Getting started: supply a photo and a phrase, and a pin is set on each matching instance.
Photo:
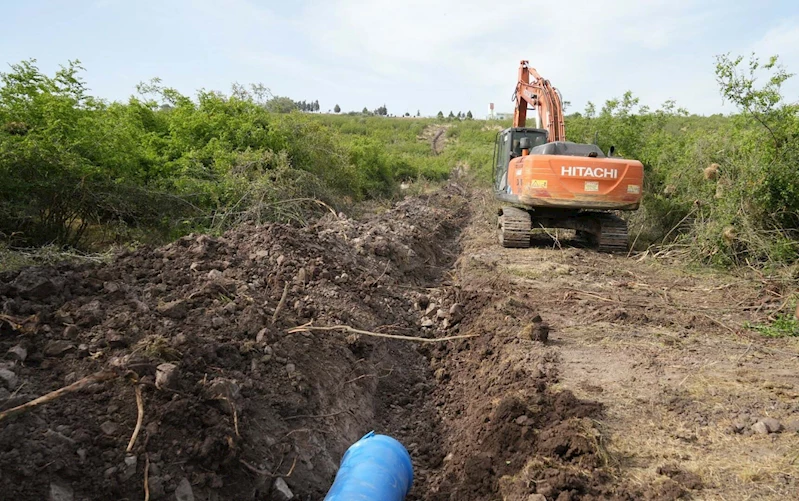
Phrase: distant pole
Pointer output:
(491, 110)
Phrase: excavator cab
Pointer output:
(508, 146)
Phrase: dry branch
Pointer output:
(281, 303)
(347, 328)
(146, 477)
(139, 418)
(98, 377)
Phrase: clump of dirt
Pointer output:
(231, 400)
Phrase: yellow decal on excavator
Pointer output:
(538, 183)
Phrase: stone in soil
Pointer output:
(18, 353)
(60, 492)
(184, 491)
(58, 348)
(166, 375)
(281, 490)
(8, 378)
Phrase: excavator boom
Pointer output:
(533, 90)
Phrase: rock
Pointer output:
(760, 428)
(166, 375)
(184, 492)
(535, 331)
(58, 348)
(9, 379)
(456, 312)
(18, 353)
(291, 369)
(225, 389)
(281, 490)
(61, 492)
(109, 428)
(432, 307)
(71, 331)
(423, 301)
(536, 497)
(426, 322)
(792, 426)
(32, 286)
(156, 488)
(217, 322)
(83, 350)
(773, 425)
(521, 420)
(441, 314)
(129, 469)
(262, 335)
(174, 309)
(214, 274)
(116, 340)
(738, 427)
(140, 306)
(4, 394)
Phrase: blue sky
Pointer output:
(429, 55)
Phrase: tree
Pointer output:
(365, 111)
(459, 115)
(469, 115)
(440, 115)
(316, 105)
(418, 113)
(451, 115)
(280, 104)
(337, 109)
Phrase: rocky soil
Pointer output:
(583, 376)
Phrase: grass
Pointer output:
(13, 258)
(784, 325)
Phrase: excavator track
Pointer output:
(612, 234)
(514, 228)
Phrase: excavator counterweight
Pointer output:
(549, 182)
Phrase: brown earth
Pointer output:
(647, 388)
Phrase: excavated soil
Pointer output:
(582, 378)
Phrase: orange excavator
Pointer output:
(549, 182)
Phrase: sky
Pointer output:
(427, 55)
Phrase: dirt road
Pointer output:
(587, 377)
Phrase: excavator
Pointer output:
(548, 182)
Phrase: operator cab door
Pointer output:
(501, 160)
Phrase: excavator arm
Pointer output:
(538, 93)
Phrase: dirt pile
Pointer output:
(231, 401)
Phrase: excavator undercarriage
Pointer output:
(605, 231)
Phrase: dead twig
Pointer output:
(718, 323)
(146, 477)
(265, 473)
(346, 328)
(281, 303)
(98, 377)
(139, 418)
(316, 416)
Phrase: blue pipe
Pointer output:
(375, 468)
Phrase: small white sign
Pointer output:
(633, 188)
(592, 186)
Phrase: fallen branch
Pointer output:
(316, 416)
(265, 473)
(139, 418)
(281, 303)
(98, 377)
(146, 477)
(347, 328)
